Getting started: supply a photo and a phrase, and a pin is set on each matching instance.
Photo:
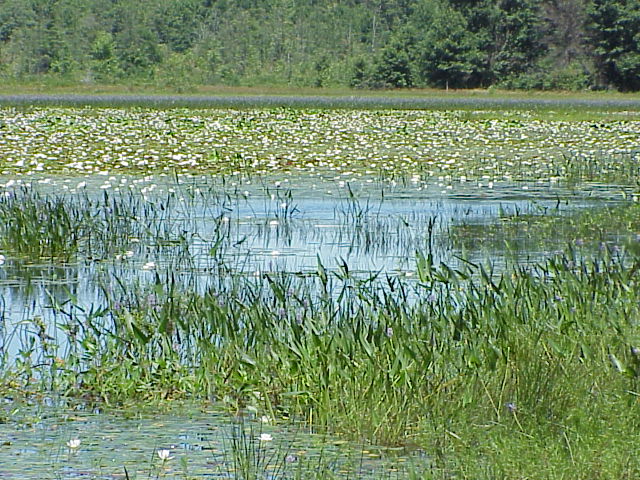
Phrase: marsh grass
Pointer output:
(621, 168)
(465, 364)
(400, 349)
(40, 227)
(573, 106)
(615, 227)
(58, 228)
(469, 363)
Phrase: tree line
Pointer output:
(521, 44)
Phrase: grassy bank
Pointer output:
(567, 105)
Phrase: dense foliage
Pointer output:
(565, 44)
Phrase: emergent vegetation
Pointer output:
(457, 289)
(465, 362)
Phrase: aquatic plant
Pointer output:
(450, 147)
(470, 359)
(74, 443)
(613, 226)
(318, 346)
(164, 455)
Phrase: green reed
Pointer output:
(553, 106)
(37, 226)
(465, 361)
(322, 346)
(549, 350)
(615, 226)
(622, 167)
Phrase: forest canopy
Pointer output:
(521, 44)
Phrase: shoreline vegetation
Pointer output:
(83, 88)
(471, 365)
(550, 106)
(531, 370)
(545, 105)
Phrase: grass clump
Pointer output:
(456, 363)
(464, 362)
(66, 229)
(615, 227)
(41, 227)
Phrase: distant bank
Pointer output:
(365, 101)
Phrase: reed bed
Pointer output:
(328, 102)
(466, 362)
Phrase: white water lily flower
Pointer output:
(164, 454)
(265, 437)
(149, 266)
(73, 443)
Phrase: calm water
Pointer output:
(279, 225)
(268, 225)
(34, 443)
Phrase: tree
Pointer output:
(176, 23)
(105, 65)
(565, 22)
(448, 54)
(137, 44)
(470, 43)
(15, 15)
(518, 37)
(394, 67)
(614, 32)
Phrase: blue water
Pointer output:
(286, 224)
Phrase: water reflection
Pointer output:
(202, 443)
(202, 230)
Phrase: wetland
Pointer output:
(319, 293)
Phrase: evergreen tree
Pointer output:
(176, 23)
(394, 66)
(518, 37)
(615, 34)
(448, 54)
(137, 43)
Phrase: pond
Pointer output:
(163, 255)
(193, 226)
(54, 442)
(287, 225)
